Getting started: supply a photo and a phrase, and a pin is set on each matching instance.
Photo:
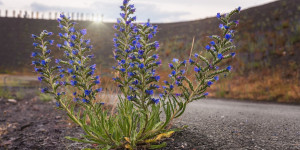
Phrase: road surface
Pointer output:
(243, 125)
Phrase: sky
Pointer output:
(158, 11)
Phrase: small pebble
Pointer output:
(12, 101)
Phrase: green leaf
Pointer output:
(164, 144)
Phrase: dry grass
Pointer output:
(265, 85)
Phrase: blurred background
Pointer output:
(266, 67)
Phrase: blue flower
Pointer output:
(130, 74)
(171, 65)
(178, 83)
(123, 69)
(90, 47)
(85, 100)
(150, 36)
(157, 78)
(60, 35)
(125, 2)
(207, 47)
(72, 29)
(178, 94)
(73, 82)
(62, 16)
(182, 71)
(91, 72)
(48, 51)
(93, 67)
(50, 33)
(98, 90)
(155, 56)
(220, 56)
(33, 36)
(171, 87)
(197, 69)
(35, 62)
(51, 42)
(239, 9)
(156, 44)
(218, 15)
(87, 41)
(216, 78)
(156, 101)
(140, 52)
(122, 15)
(83, 31)
(61, 75)
(87, 92)
(73, 37)
(70, 71)
(75, 52)
(97, 81)
(229, 68)
(221, 26)
(71, 62)
(236, 22)
(43, 62)
(60, 26)
(75, 99)
(158, 62)
(175, 60)
(209, 83)
(141, 66)
(40, 78)
(59, 45)
(173, 72)
(135, 82)
(63, 83)
(35, 44)
(196, 55)
(44, 90)
(33, 54)
(205, 94)
(232, 54)
(191, 61)
(91, 56)
(212, 43)
(228, 36)
(149, 92)
(38, 69)
(57, 104)
(72, 44)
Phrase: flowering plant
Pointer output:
(138, 121)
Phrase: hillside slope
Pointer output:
(272, 29)
(267, 65)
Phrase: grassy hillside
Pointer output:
(266, 66)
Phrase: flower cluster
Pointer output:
(138, 121)
(73, 70)
(137, 71)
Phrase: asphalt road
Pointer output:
(244, 125)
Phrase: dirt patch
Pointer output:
(33, 124)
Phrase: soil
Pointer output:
(31, 124)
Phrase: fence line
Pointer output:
(76, 16)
